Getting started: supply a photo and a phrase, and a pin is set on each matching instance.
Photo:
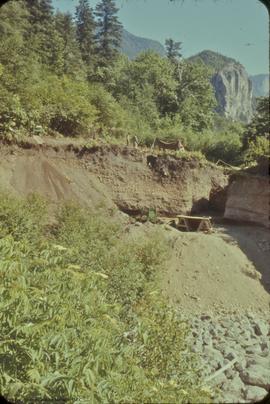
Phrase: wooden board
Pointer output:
(184, 222)
(194, 217)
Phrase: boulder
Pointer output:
(261, 328)
(254, 393)
(256, 375)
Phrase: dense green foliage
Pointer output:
(65, 75)
(256, 136)
(50, 66)
(81, 317)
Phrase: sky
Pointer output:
(234, 28)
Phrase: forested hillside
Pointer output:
(67, 76)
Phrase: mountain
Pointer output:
(260, 83)
(132, 45)
(214, 60)
(232, 86)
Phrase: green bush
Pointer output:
(257, 148)
(81, 315)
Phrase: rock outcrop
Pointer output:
(233, 90)
(260, 84)
(248, 199)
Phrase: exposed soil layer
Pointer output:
(138, 181)
(133, 180)
(248, 198)
(222, 269)
(212, 279)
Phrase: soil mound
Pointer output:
(209, 272)
(54, 175)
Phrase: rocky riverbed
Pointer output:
(235, 353)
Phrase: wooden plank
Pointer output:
(194, 217)
(183, 222)
(218, 372)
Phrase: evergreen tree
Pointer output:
(86, 31)
(72, 61)
(43, 37)
(109, 30)
(173, 50)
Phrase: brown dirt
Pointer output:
(205, 272)
(118, 176)
(227, 270)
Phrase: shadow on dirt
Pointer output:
(254, 241)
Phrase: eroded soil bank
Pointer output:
(219, 282)
(133, 180)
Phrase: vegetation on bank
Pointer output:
(64, 76)
(81, 315)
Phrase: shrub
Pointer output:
(257, 148)
(80, 316)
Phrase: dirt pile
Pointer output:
(214, 271)
(53, 174)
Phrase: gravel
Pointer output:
(241, 344)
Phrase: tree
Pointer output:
(256, 137)
(173, 50)
(72, 60)
(150, 78)
(43, 36)
(86, 31)
(109, 31)
(195, 98)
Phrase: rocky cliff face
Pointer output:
(260, 84)
(233, 90)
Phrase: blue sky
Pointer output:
(235, 28)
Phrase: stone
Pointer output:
(232, 398)
(258, 360)
(219, 381)
(230, 373)
(233, 91)
(213, 357)
(265, 345)
(265, 353)
(256, 375)
(254, 350)
(254, 393)
(234, 390)
(261, 328)
(205, 316)
(207, 340)
(241, 366)
(230, 355)
(226, 323)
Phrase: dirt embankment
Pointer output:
(133, 180)
(204, 269)
(248, 199)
